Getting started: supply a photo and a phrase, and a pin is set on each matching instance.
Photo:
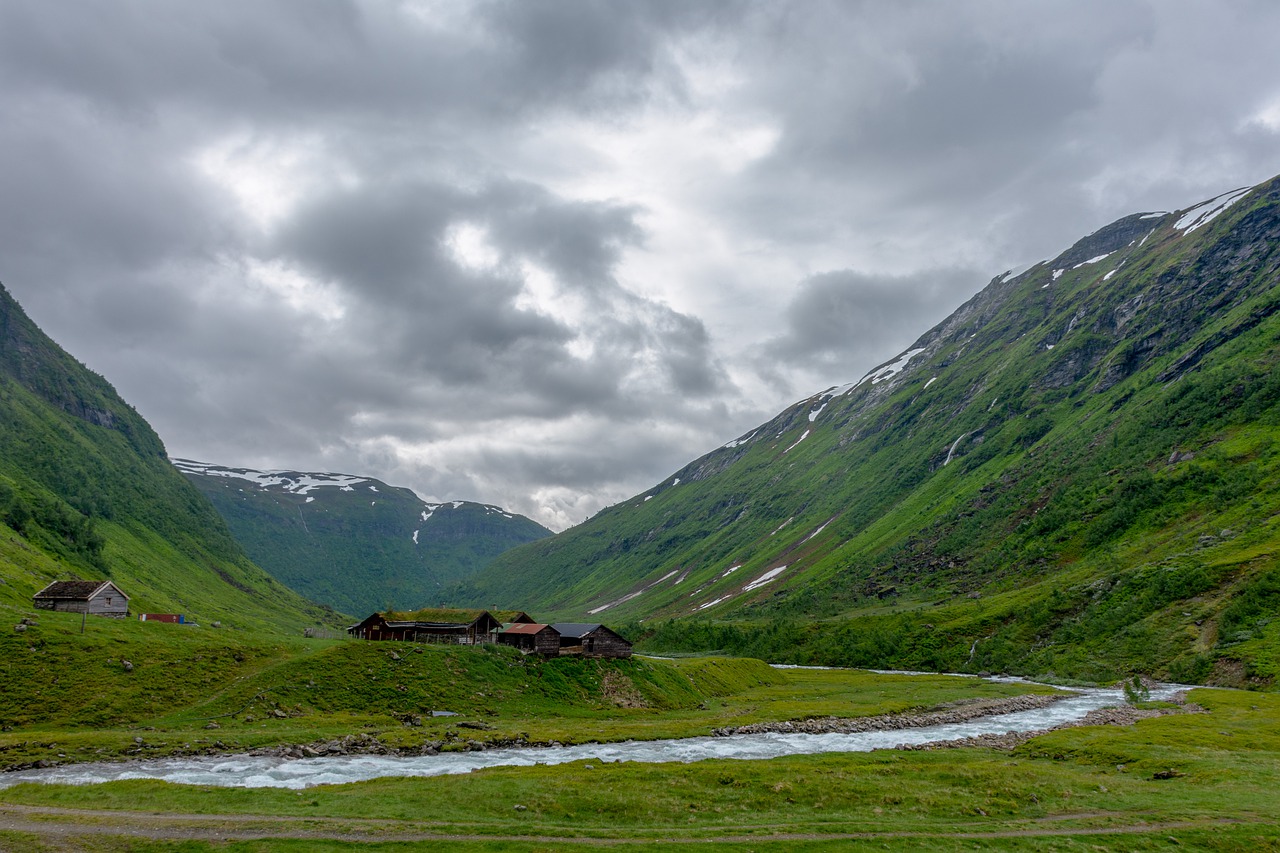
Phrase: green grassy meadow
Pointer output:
(67, 698)
(1083, 789)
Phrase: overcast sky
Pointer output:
(542, 254)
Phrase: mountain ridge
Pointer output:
(86, 491)
(354, 542)
(932, 476)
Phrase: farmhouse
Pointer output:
(450, 626)
(97, 598)
(531, 638)
(591, 639)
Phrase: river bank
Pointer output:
(365, 756)
(961, 712)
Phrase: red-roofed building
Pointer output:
(531, 638)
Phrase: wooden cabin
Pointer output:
(440, 625)
(531, 638)
(591, 639)
(97, 598)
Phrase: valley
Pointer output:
(1074, 478)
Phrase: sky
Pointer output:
(543, 253)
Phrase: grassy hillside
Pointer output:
(86, 491)
(1076, 472)
(356, 543)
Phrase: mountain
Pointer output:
(354, 542)
(1077, 472)
(87, 491)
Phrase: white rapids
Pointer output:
(246, 771)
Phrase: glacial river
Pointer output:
(247, 771)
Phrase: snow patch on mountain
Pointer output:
(293, 482)
(891, 369)
(1093, 260)
(1207, 211)
(768, 577)
(624, 599)
(797, 441)
(952, 452)
(819, 530)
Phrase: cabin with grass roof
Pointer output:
(96, 598)
(512, 617)
(449, 626)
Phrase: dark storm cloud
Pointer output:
(450, 62)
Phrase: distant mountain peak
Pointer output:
(294, 482)
(356, 542)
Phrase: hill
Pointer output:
(87, 491)
(1076, 472)
(356, 543)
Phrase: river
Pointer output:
(248, 771)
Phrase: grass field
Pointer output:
(1201, 781)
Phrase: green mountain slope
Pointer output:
(1078, 472)
(86, 490)
(354, 542)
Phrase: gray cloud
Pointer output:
(542, 254)
(843, 318)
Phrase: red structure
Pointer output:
(531, 638)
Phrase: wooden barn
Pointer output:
(449, 626)
(531, 638)
(97, 598)
(591, 640)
